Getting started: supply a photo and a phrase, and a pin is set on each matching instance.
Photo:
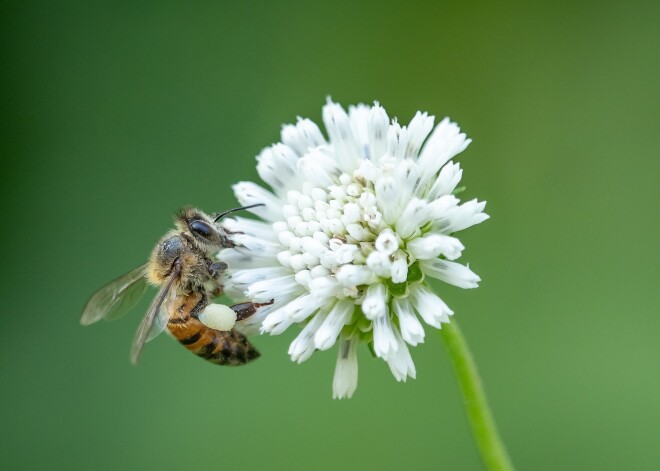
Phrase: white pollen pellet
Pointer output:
(218, 317)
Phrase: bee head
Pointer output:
(201, 227)
(205, 229)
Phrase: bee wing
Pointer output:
(116, 298)
(160, 322)
(142, 334)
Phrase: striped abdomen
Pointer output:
(222, 348)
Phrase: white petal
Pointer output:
(264, 291)
(419, 128)
(399, 270)
(397, 140)
(276, 166)
(326, 335)
(400, 361)
(409, 222)
(440, 212)
(444, 143)
(250, 276)
(379, 263)
(303, 136)
(407, 174)
(375, 301)
(359, 117)
(256, 244)
(313, 246)
(318, 168)
(276, 322)
(466, 215)
(378, 126)
(432, 245)
(450, 272)
(387, 242)
(430, 307)
(303, 346)
(303, 307)
(385, 343)
(248, 193)
(339, 129)
(387, 196)
(411, 329)
(355, 275)
(324, 287)
(238, 259)
(251, 227)
(447, 180)
(345, 380)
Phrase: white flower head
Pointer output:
(352, 226)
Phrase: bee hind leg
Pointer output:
(200, 306)
(245, 310)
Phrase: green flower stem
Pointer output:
(483, 426)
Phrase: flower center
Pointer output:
(337, 240)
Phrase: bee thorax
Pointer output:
(169, 249)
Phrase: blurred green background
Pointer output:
(114, 114)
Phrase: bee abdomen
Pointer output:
(223, 348)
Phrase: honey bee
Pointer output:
(181, 265)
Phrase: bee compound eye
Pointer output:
(202, 228)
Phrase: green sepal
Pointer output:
(398, 290)
(458, 190)
(415, 273)
(371, 349)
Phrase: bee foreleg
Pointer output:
(227, 242)
(216, 268)
(245, 310)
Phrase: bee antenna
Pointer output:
(221, 215)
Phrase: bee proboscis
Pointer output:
(183, 268)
